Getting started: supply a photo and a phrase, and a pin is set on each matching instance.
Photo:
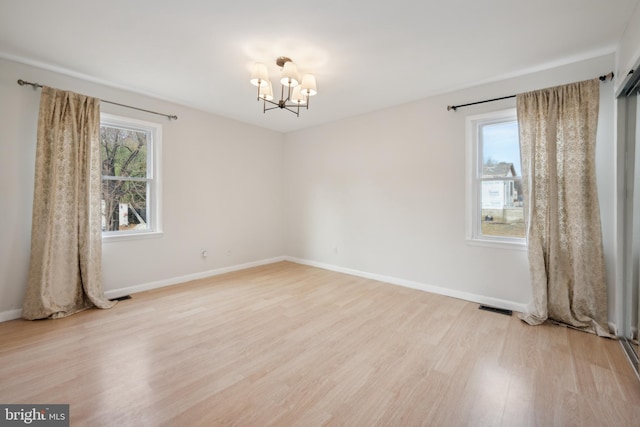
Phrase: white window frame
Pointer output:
(473, 169)
(154, 177)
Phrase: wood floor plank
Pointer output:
(292, 345)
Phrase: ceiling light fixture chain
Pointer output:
(298, 90)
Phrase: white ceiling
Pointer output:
(366, 55)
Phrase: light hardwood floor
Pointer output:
(291, 345)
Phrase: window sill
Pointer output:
(108, 238)
(518, 246)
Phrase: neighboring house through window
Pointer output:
(495, 207)
(129, 155)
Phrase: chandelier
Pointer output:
(294, 92)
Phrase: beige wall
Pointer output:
(222, 190)
(363, 194)
(368, 193)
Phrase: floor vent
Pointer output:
(121, 298)
(496, 310)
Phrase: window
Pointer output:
(129, 155)
(495, 206)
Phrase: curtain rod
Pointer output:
(168, 116)
(455, 107)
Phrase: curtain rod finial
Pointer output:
(607, 77)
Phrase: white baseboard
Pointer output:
(480, 299)
(10, 314)
(115, 293)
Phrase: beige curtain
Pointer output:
(65, 273)
(557, 141)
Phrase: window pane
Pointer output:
(501, 202)
(123, 152)
(500, 150)
(124, 205)
(498, 229)
(495, 212)
(502, 208)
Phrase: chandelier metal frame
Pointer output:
(298, 90)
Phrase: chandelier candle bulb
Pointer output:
(308, 86)
(266, 91)
(289, 74)
(259, 75)
(297, 97)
